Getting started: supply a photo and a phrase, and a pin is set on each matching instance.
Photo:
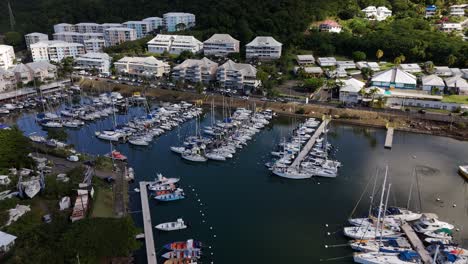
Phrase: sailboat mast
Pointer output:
(381, 200)
(373, 191)
(385, 210)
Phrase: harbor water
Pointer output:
(244, 214)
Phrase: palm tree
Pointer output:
(451, 59)
(379, 54)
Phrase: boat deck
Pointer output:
(149, 240)
(416, 243)
(310, 144)
(389, 138)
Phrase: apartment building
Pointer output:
(54, 50)
(7, 80)
(41, 70)
(263, 48)
(76, 37)
(449, 27)
(94, 45)
(220, 45)
(458, 10)
(176, 21)
(115, 36)
(88, 28)
(149, 67)
(64, 27)
(156, 22)
(203, 70)
(174, 44)
(142, 28)
(237, 76)
(105, 26)
(93, 60)
(7, 56)
(35, 37)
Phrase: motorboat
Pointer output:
(194, 157)
(171, 196)
(442, 233)
(188, 253)
(430, 223)
(183, 245)
(448, 248)
(463, 171)
(385, 245)
(172, 226)
(178, 150)
(432, 240)
(117, 155)
(51, 124)
(109, 135)
(400, 214)
(404, 257)
(138, 142)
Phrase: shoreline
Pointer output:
(367, 118)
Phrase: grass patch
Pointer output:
(103, 203)
(460, 99)
(104, 163)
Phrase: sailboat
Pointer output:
(404, 257)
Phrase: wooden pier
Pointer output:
(416, 243)
(389, 138)
(310, 144)
(148, 228)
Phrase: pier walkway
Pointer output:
(389, 137)
(310, 144)
(148, 228)
(416, 243)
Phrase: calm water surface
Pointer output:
(245, 215)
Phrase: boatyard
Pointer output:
(192, 212)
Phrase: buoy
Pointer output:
(454, 205)
(201, 203)
(203, 214)
(212, 253)
(326, 246)
(214, 235)
(438, 199)
(193, 189)
(318, 183)
(198, 199)
(211, 227)
(458, 229)
(200, 211)
(326, 225)
(328, 233)
(209, 247)
(203, 221)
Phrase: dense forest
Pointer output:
(406, 33)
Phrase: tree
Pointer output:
(57, 134)
(359, 56)
(367, 73)
(180, 27)
(14, 149)
(186, 54)
(379, 54)
(451, 59)
(199, 87)
(13, 38)
(429, 67)
(312, 84)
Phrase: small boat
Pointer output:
(180, 261)
(429, 223)
(189, 253)
(138, 142)
(130, 174)
(463, 171)
(379, 258)
(442, 233)
(194, 157)
(117, 155)
(448, 248)
(162, 187)
(172, 226)
(168, 197)
(178, 150)
(183, 245)
(137, 190)
(369, 232)
(386, 245)
(432, 240)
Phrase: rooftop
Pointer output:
(264, 41)
(221, 38)
(6, 239)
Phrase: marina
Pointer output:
(205, 205)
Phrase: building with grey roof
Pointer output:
(191, 70)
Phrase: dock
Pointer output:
(389, 138)
(310, 144)
(148, 228)
(416, 243)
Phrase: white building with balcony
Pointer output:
(174, 44)
(156, 22)
(54, 50)
(7, 56)
(237, 76)
(220, 45)
(263, 48)
(176, 21)
(118, 35)
(88, 28)
(76, 37)
(99, 61)
(142, 28)
(203, 70)
(34, 37)
(7, 80)
(94, 45)
(64, 27)
(458, 10)
(377, 13)
(148, 67)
